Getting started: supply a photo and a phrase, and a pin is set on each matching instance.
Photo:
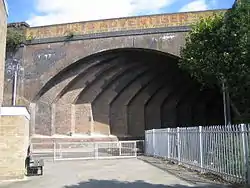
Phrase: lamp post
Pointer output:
(15, 79)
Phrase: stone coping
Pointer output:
(14, 111)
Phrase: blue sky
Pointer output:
(44, 12)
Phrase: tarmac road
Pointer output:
(126, 173)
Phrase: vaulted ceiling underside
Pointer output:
(123, 92)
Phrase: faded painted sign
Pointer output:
(121, 24)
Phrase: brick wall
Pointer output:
(120, 24)
(119, 108)
(83, 118)
(14, 138)
(3, 29)
(43, 118)
(62, 121)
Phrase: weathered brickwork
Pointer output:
(137, 105)
(94, 86)
(43, 118)
(46, 66)
(122, 24)
(83, 119)
(119, 108)
(62, 119)
(109, 78)
(97, 96)
(3, 30)
(14, 138)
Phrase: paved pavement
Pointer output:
(120, 173)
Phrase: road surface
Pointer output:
(123, 173)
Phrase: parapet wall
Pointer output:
(118, 24)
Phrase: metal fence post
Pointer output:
(168, 136)
(120, 149)
(245, 152)
(248, 152)
(31, 147)
(60, 149)
(145, 144)
(54, 151)
(96, 150)
(178, 146)
(135, 148)
(201, 148)
(153, 135)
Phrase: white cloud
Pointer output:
(63, 11)
(196, 5)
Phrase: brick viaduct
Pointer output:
(116, 76)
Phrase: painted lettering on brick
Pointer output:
(103, 26)
(123, 24)
(45, 55)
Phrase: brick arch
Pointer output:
(168, 107)
(134, 73)
(83, 73)
(173, 81)
(117, 113)
(136, 104)
(57, 71)
(83, 95)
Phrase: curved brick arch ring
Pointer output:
(57, 72)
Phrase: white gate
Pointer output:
(86, 150)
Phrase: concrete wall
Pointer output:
(3, 30)
(14, 139)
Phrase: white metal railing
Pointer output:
(84, 150)
(222, 150)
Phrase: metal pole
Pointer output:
(96, 150)
(245, 152)
(120, 149)
(135, 148)
(154, 148)
(201, 147)
(54, 151)
(178, 146)
(15, 85)
(168, 155)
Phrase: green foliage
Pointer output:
(218, 50)
(201, 48)
(15, 37)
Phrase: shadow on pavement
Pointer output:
(93, 183)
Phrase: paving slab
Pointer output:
(120, 173)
